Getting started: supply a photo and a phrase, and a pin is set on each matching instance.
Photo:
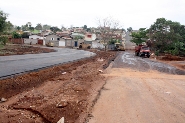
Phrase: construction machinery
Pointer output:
(119, 47)
(84, 46)
(142, 51)
(49, 44)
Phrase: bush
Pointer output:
(157, 53)
(113, 41)
(3, 40)
(16, 35)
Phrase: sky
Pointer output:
(131, 13)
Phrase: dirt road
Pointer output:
(135, 92)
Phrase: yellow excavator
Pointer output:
(84, 46)
(49, 44)
(119, 46)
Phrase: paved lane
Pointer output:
(129, 60)
(10, 65)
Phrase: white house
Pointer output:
(35, 37)
(90, 37)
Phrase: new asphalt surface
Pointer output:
(16, 64)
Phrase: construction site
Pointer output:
(72, 91)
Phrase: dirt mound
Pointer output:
(50, 94)
(169, 57)
(23, 49)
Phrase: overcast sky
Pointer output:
(131, 13)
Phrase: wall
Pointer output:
(62, 43)
(27, 41)
(97, 45)
(55, 41)
(34, 37)
(71, 42)
(16, 41)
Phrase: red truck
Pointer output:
(142, 51)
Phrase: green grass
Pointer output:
(36, 31)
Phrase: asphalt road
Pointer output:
(129, 60)
(128, 43)
(11, 65)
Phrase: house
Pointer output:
(57, 40)
(46, 32)
(35, 37)
(64, 34)
(90, 37)
(97, 45)
(73, 42)
(78, 29)
(73, 35)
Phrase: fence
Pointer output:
(16, 40)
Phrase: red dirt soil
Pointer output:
(22, 49)
(50, 94)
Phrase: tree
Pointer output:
(38, 27)
(29, 24)
(8, 26)
(107, 27)
(54, 29)
(16, 35)
(25, 35)
(31, 28)
(129, 29)
(88, 29)
(85, 27)
(46, 27)
(3, 40)
(25, 27)
(3, 17)
(167, 36)
(18, 28)
(123, 30)
(140, 36)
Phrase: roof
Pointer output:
(77, 34)
(53, 35)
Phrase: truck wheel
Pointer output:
(148, 56)
(140, 54)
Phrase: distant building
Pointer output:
(35, 37)
(90, 37)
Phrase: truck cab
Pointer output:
(142, 51)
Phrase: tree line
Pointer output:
(164, 36)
